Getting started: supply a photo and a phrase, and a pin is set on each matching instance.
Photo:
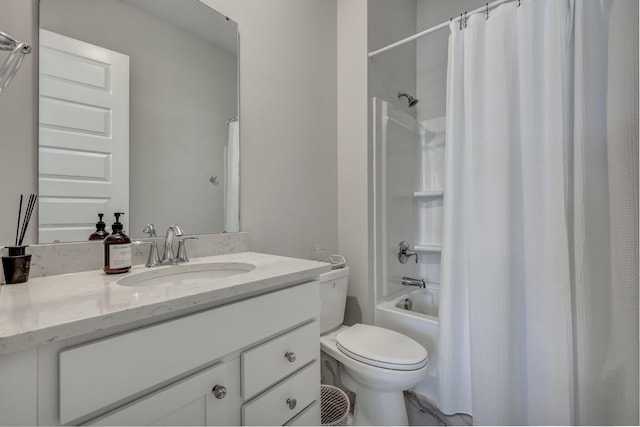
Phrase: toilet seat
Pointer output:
(382, 348)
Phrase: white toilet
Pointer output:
(377, 364)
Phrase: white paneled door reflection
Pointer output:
(84, 137)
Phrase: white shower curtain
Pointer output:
(539, 298)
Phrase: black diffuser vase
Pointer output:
(16, 266)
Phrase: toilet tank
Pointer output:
(333, 298)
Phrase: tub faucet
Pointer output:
(173, 231)
(408, 281)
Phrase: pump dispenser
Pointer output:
(117, 249)
(100, 233)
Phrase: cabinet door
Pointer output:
(190, 401)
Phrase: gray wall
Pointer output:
(182, 92)
(432, 52)
(18, 115)
(395, 70)
(353, 193)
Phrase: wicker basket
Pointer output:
(334, 406)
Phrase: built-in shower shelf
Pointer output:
(428, 194)
(428, 248)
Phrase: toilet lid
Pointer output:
(381, 347)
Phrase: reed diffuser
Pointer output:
(16, 266)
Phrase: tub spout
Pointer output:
(408, 281)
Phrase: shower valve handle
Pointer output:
(404, 253)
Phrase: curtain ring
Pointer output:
(487, 11)
(518, 3)
(461, 22)
(465, 20)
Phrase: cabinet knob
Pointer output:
(292, 403)
(219, 391)
(291, 356)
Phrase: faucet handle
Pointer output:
(154, 258)
(150, 229)
(404, 253)
(182, 249)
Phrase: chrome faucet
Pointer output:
(168, 257)
(408, 281)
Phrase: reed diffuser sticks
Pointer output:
(18, 226)
(27, 217)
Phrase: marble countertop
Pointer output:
(48, 309)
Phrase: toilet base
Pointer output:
(374, 407)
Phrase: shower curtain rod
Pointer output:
(484, 9)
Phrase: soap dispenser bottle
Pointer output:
(100, 232)
(117, 249)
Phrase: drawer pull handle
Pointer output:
(291, 356)
(292, 403)
(219, 391)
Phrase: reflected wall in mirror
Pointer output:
(138, 114)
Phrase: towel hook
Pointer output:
(12, 64)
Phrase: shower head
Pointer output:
(410, 99)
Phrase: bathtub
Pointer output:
(415, 314)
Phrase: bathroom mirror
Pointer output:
(138, 114)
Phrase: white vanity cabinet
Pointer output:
(18, 388)
(253, 361)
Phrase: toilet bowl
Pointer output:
(377, 364)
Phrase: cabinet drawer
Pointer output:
(309, 417)
(272, 407)
(96, 375)
(272, 361)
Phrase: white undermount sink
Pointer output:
(187, 274)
